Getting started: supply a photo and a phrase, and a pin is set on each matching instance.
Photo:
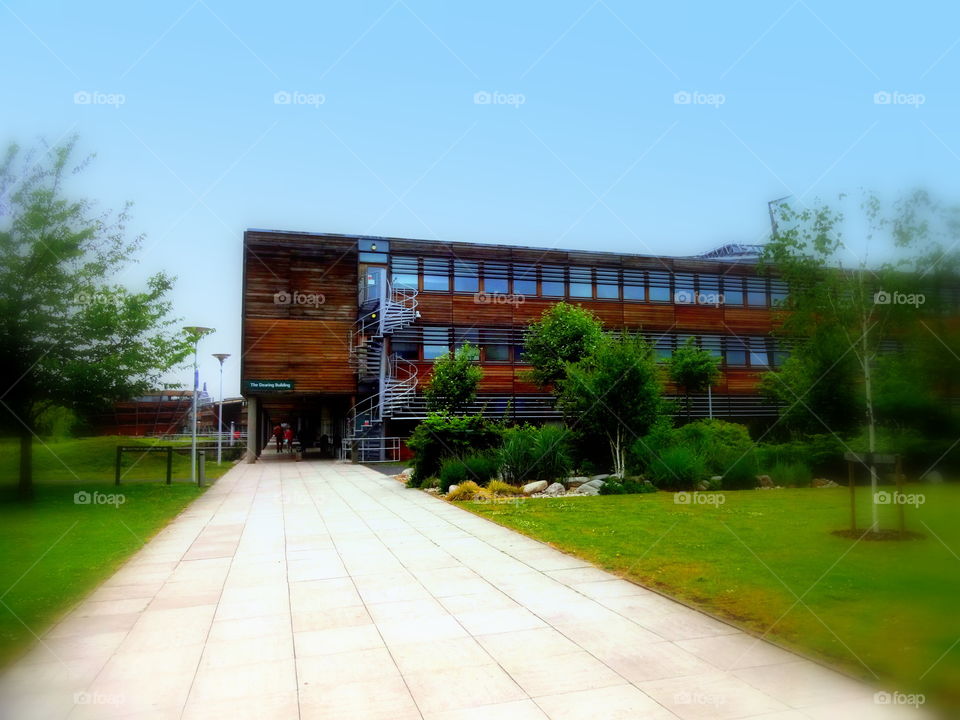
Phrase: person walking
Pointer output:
(278, 436)
(288, 438)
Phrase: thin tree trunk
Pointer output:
(871, 430)
(25, 485)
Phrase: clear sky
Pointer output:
(607, 125)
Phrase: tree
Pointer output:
(453, 384)
(693, 369)
(564, 334)
(69, 337)
(616, 391)
(851, 309)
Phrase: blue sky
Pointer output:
(548, 124)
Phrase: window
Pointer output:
(713, 344)
(406, 350)
(552, 281)
(495, 278)
(518, 353)
(663, 347)
(778, 293)
(733, 290)
(524, 279)
(633, 285)
(759, 355)
(375, 258)
(683, 291)
(581, 282)
(780, 353)
(496, 353)
(608, 283)
(436, 274)
(756, 292)
(465, 276)
(736, 352)
(708, 290)
(436, 342)
(466, 335)
(659, 288)
(405, 272)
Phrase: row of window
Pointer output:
(496, 346)
(431, 274)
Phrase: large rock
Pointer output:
(823, 483)
(603, 476)
(535, 487)
(576, 481)
(453, 488)
(594, 484)
(703, 485)
(765, 481)
(588, 489)
(407, 472)
(933, 477)
(555, 489)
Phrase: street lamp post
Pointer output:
(195, 332)
(221, 357)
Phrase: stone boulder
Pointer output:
(603, 476)
(823, 483)
(933, 477)
(703, 485)
(764, 481)
(535, 487)
(594, 484)
(555, 489)
(453, 488)
(407, 472)
(588, 489)
(576, 481)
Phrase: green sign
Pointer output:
(269, 386)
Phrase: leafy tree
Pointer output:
(564, 334)
(693, 369)
(852, 308)
(616, 391)
(453, 384)
(70, 336)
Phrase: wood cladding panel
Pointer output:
(315, 355)
(700, 317)
(748, 321)
(742, 381)
(652, 316)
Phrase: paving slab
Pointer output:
(320, 589)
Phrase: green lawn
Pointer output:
(886, 611)
(54, 551)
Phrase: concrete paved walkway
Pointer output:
(322, 590)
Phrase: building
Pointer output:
(340, 331)
(158, 413)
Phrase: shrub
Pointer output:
(452, 472)
(627, 486)
(467, 491)
(481, 468)
(531, 453)
(739, 471)
(679, 468)
(443, 436)
(552, 454)
(498, 488)
(791, 474)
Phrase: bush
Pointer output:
(481, 468)
(467, 491)
(531, 453)
(823, 454)
(452, 472)
(443, 436)
(740, 471)
(627, 486)
(791, 474)
(678, 468)
(498, 488)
